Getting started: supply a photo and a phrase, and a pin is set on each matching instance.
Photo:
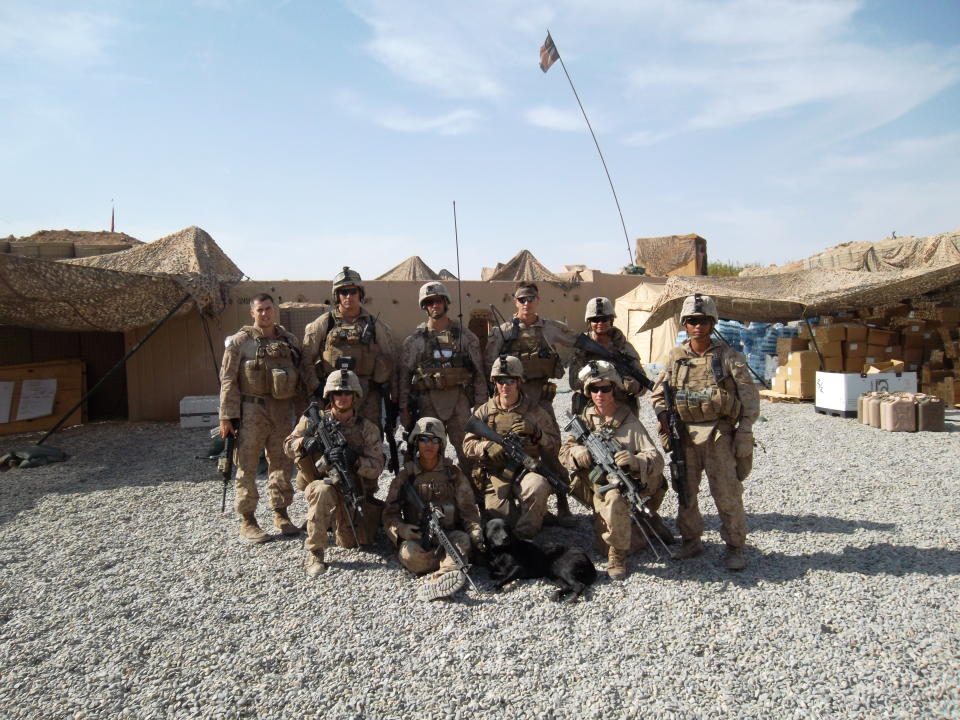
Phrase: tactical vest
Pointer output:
(273, 369)
(502, 420)
(539, 360)
(436, 486)
(442, 364)
(344, 338)
(702, 392)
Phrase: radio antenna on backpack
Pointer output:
(456, 241)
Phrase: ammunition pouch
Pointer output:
(548, 392)
(440, 378)
(253, 378)
(283, 382)
(536, 366)
(697, 406)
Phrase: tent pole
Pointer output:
(112, 370)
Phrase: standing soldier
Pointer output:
(362, 457)
(438, 481)
(534, 340)
(637, 456)
(600, 314)
(349, 330)
(718, 403)
(258, 379)
(441, 369)
(509, 411)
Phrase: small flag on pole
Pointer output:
(548, 53)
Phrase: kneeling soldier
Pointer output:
(637, 455)
(439, 483)
(510, 412)
(322, 469)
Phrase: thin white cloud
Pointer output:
(555, 119)
(912, 153)
(68, 38)
(453, 122)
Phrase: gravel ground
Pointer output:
(126, 594)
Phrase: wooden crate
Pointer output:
(71, 385)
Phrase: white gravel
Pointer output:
(126, 594)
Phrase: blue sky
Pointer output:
(306, 135)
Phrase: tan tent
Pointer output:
(673, 255)
(413, 268)
(445, 274)
(632, 311)
(523, 266)
(120, 291)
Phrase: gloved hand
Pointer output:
(322, 465)
(476, 539)
(581, 456)
(625, 458)
(309, 445)
(612, 480)
(522, 427)
(407, 531)
(495, 453)
(743, 444)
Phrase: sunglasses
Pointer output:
(526, 299)
(428, 439)
(348, 291)
(435, 300)
(600, 319)
(505, 381)
(342, 393)
(698, 321)
(601, 389)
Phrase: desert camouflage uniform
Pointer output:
(624, 427)
(618, 343)
(264, 420)
(325, 505)
(448, 488)
(709, 445)
(445, 393)
(331, 336)
(534, 489)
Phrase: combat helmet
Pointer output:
(598, 370)
(599, 307)
(507, 366)
(698, 305)
(428, 426)
(347, 278)
(433, 289)
(342, 380)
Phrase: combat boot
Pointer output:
(565, 518)
(689, 549)
(660, 529)
(616, 564)
(250, 531)
(282, 522)
(442, 586)
(735, 559)
(313, 563)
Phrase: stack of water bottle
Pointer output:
(753, 337)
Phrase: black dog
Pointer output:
(513, 559)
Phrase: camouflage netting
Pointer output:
(885, 256)
(803, 293)
(82, 237)
(120, 291)
(662, 255)
(445, 274)
(523, 266)
(413, 268)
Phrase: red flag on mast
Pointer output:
(548, 53)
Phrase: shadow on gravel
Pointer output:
(806, 523)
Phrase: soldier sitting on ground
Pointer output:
(324, 491)
(436, 480)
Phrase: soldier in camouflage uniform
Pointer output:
(535, 341)
(638, 456)
(441, 370)
(349, 330)
(600, 315)
(511, 412)
(258, 380)
(718, 402)
(326, 508)
(437, 480)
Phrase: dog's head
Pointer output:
(497, 535)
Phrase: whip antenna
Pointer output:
(456, 241)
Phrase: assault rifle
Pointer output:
(678, 461)
(369, 334)
(225, 461)
(623, 363)
(330, 442)
(431, 530)
(388, 422)
(513, 448)
(602, 450)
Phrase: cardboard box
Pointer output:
(948, 314)
(875, 351)
(788, 345)
(839, 391)
(806, 373)
(912, 355)
(803, 358)
(805, 331)
(199, 411)
(779, 383)
(853, 365)
(854, 349)
(893, 352)
(877, 336)
(890, 366)
(856, 332)
(829, 333)
(916, 339)
(801, 389)
(832, 364)
(834, 348)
